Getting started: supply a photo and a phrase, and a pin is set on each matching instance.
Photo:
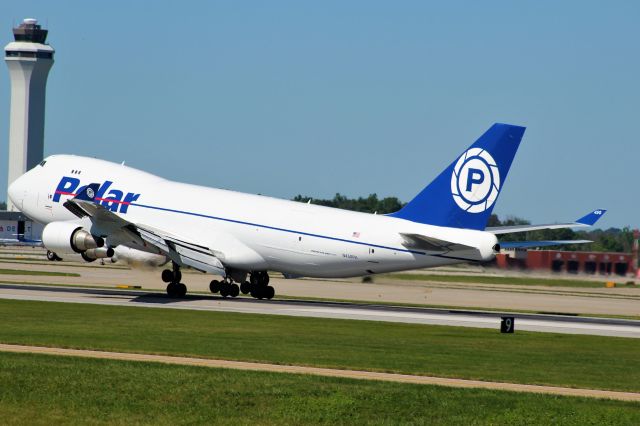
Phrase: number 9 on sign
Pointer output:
(507, 325)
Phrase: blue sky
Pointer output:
(282, 98)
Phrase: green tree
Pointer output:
(370, 204)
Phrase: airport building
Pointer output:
(572, 262)
(16, 225)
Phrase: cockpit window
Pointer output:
(43, 162)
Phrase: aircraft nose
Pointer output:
(17, 192)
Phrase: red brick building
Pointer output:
(568, 261)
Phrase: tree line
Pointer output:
(370, 204)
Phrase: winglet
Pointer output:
(88, 193)
(591, 218)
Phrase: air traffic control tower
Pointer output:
(29, 60)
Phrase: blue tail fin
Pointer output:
(464, 194)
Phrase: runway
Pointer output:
(320, 309)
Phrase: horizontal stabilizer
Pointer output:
(531, 244)
(588, 220)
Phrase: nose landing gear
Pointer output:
(51, 256)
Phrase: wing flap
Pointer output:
(182, 252)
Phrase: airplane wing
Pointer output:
(585, 221)
(182, 252)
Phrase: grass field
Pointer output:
(40, 389)
(535, 358)
(489, 279)
(42, 273)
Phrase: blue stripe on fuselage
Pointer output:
(275, 228)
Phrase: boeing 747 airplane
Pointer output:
(99, 209)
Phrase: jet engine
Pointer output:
(138, 258)
(68, 238)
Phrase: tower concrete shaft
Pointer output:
(29, 60)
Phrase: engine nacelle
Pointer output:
(99, 253)
(139, 258)
(66, 237)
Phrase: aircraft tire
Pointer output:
(224, 290)
(256, 291)
(215, 286)
(167, 275)
(177, 276)
(269, 292)
(254, 279)
(51, 256)
(234, 290)
(172, 290)
(181, 289)
(245, 287)
(264, 278)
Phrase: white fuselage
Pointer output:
(247, 232)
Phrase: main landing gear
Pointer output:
(174, 287)
(258, 286)
(225, 287)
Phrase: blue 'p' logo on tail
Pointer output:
(464, 194)
(475, 181)
(476, 176)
